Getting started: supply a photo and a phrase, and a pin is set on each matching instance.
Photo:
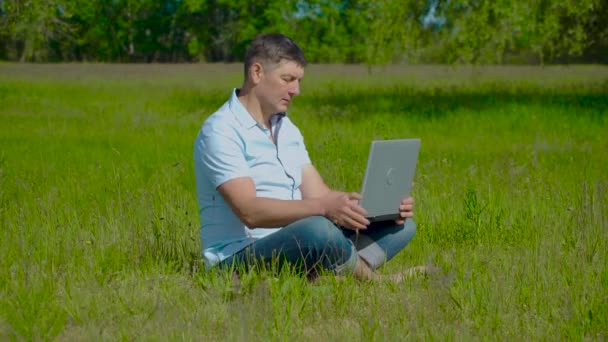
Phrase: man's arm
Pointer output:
(312, 185)
(256, 212)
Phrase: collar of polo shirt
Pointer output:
(244, 117)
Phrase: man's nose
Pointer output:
(295, 89)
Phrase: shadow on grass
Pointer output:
(429, 103)
(439, 102)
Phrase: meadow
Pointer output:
(99, 226)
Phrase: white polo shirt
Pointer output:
(232, 144)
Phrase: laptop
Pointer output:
(388, 177)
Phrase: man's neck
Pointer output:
(253, 106)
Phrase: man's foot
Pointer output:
(410, 273)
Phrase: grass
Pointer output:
(99, 224)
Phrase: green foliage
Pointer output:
(489, 31)
(330, 31)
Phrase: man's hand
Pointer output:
(406, 210)
(344, 210)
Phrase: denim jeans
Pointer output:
(315, 243)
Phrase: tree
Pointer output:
(483, 31)
(330, 31)
(30, 26)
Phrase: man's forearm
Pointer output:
(273, 213)
(312, 185)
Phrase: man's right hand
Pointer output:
(343, 209)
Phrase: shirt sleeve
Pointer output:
(222, 155)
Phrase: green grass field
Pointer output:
(99, 222)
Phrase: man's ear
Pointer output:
(256, 71)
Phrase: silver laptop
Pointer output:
(388, 177)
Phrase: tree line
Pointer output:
(329, 31)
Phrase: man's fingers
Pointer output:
(353, 224)
(406, 210)
(354, 196)
(406, 214)
(407, 200)
(358, 209)
(357, 217)
(406, 207)
(353, 215)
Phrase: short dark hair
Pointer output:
(272, 48)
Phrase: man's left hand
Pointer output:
(406, 210)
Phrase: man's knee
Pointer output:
(321, 237)
(403, 236)
(409, 229)
(381, 246)
(317, 228)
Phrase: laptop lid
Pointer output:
(391, 165)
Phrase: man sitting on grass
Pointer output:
(260, 198)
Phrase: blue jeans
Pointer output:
(315, 243)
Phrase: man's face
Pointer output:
(278, 84)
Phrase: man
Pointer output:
(260, 198)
